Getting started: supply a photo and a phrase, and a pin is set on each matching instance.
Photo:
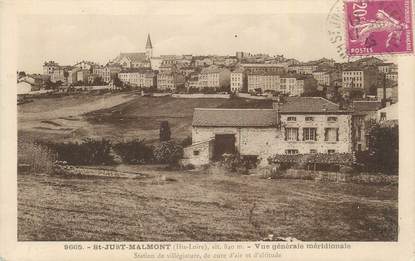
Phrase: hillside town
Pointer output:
(269, 141)
(254, 74)
(319, 106)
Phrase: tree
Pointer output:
(22, 74)
(164, 131)
(117, 82)
(97, 81)
(383, 148)
(66, 75)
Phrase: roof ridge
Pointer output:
(234, 109)
(327, 100)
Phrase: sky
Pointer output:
(70, 38)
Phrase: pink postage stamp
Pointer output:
(378, 27)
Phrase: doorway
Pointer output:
(224, 143)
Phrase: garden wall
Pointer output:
(327, 176)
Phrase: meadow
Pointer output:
(205, 205)
(178, 205)
(116, 117)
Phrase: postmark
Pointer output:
(335, 28)
(377, 27)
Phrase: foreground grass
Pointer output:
(203, 207)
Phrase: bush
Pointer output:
(271, 172)
(88, 152)
(168, 152)
(37, 158)
(238, 163)
(134, 152)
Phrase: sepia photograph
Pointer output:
(224, 126)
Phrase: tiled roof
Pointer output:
(361, 106)
(136, 70)
(308, 105)
(212, 69)
(134, 57)
(238, 70)
(263, 73)
(208, 117)
(261, 65)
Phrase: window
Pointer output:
(291, 152)
(312, 151)
(331, 151)
(196, 152)
(383, 116)
(309, 118)
(309, 134)
(291, 118)
(331, 134)
(291, 134)
(359, 133)
(331, 119)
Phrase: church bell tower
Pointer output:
(149, 48)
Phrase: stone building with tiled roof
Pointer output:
(214, 77)
(140, 77)
(132, 60)
(136, 59)
(296, 125)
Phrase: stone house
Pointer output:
(361, 79)
(169, 78)
(299, 125)
(305, 68)
(214, 77)
(132, 60)
(238, 80)
(264, 81)
(144, 78)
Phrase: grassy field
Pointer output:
(112, 116)
(203, 206)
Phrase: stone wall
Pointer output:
(327, 176)
(198, 153)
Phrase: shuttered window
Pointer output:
(331, 134)
(291, 134)
(309, 134)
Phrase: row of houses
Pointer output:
(170, 76)
(297, 125)
(244, 72)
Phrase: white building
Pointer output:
(300, 125)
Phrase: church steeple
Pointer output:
(149, 48)
(148, 44)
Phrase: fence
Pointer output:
(249, 96)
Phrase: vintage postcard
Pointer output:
(207, 130)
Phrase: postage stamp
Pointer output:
(378, 27)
